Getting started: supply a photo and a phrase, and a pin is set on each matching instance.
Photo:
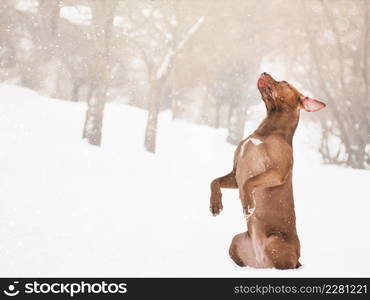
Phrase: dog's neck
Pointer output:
(282, 123)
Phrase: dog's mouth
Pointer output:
(265, 84)
(265, 81)
(261, 83)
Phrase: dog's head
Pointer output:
(280, 96)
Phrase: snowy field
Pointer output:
(71, 209)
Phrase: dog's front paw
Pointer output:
(216, 204)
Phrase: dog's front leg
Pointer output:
(228, 182)
(270, 178)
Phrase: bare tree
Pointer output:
(157, 41)
(198, 58)
(340, 64)
(39, 30)
(102, 22)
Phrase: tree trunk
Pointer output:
(217, 115)
(29, 79)
(103, 16)
(152, 121)
(236, 125)
(94, 119)
(75, 91)
(177, 109)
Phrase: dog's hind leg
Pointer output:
(242, 252)
(227, 182)
(281, 253)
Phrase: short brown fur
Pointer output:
(262, 172)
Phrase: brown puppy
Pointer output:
(263, 174)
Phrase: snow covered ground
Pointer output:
(71, 209)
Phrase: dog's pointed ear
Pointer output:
(311, 105)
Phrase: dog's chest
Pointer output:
(251, 160)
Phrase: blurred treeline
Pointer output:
(198, 58)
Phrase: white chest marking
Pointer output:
(254, 141)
